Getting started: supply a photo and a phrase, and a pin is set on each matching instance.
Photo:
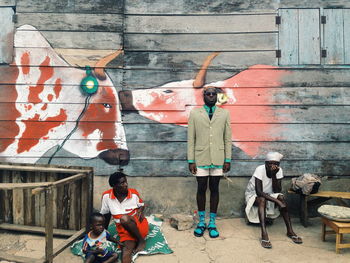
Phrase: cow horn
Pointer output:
(102, 63)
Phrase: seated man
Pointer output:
(263, 198)
(126, 207)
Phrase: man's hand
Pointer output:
(140, 215)
(192, 167)
(226, 167)
(274, 169)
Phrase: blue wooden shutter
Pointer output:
(299, 36)
(6, 34)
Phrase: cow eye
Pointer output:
(168, 91)
(106, 105)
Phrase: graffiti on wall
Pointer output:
(54, 106)
(46, 107)
(172, 103)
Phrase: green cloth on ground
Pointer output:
(155, 242)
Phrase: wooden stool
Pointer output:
(339, 229)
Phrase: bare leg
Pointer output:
(129, 224)
(260, 202)
(127, 250)
(286, 218)
(202, 182)
(214, 192)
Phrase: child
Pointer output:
(95, 242)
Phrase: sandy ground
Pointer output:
(238, 243)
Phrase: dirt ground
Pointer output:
(238, 243)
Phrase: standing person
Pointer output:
(126, 207)
(264, 199)
(209, 149)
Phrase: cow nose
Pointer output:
(115, 156)
(125, 98)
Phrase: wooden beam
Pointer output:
(68, 242)
(69, 179)
(42, 169)
(49, 226)
(10, 186)
(35, 229)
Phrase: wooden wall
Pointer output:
(302, 112)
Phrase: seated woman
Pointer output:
(264, 199)
(126, 207)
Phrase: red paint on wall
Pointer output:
(9, 130)
(31, 128)
(57, 88)
(106, 117)
(46, 73)
(25, 62)
(254, 78)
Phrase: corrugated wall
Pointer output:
(300, 110)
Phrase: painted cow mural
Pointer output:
(46, 109)
(172, 103)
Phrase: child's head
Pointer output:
(97, 222)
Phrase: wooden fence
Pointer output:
(55, 200)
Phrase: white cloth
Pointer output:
(251, 211)
(250, 194)
(274, 156)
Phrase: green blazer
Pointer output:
(209, 141)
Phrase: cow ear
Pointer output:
(29, 39)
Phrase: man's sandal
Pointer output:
(213, 231)
(265, 243)
(199, 230)
(296, 239)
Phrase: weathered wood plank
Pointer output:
(72, 22)
(302, 96)
(239, 114)
(68, 6)
(84, 40)
(288, 131)
(48, 225)
(8, 197)
(302, 77)
(18, 185)
(216, 7)
(45, 6)
(200, 42)
(346, 17)
(35, 229)
(29, 200)
(7, 3)
(99, 6)
(166, 150)
(43, 168)
(334, 36)
(242, 168)
(291, 150)
(194, 60)
(200, 24)
(197, 7)
(309, 36)
(68, 242)
(288, 37)
(18, 199)
(6, 35)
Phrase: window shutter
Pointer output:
(6, 34)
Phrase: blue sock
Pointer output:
(201, 215)
(212, 218)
